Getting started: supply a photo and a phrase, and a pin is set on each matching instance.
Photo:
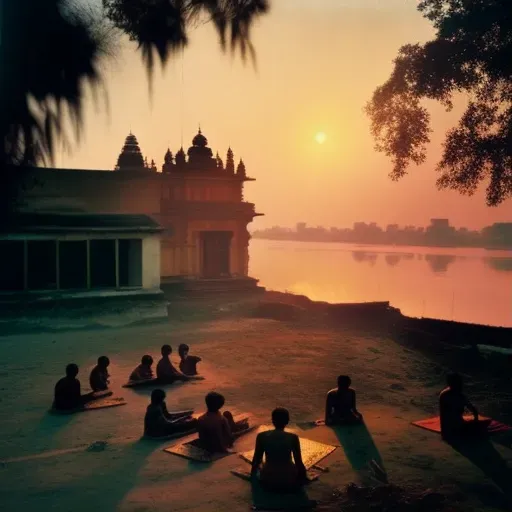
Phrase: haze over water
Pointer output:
(467, 285)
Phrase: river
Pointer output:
(466, 285)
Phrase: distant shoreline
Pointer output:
(360, 242)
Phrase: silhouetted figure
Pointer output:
(279, 473)
(340, 406)
(98, 380)
(165, 370)
(188, 363)
(158, 422)
(67, 391)
(144, 370)
(452, 404)
(215, 429)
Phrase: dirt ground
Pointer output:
(257, 364)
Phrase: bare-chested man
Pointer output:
(279, 473)
(340, 406)
(452, 404)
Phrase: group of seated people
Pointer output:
(68, 390)
(283, 468)
(166, 372)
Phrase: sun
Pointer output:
(320, 137)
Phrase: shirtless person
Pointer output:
(98, 379)
(452, 403)
(215, 429)
(159, 423)
(279, 473)
(67, 391)
(144, 370)
(188, 363)
(340, 406)
(165, 370)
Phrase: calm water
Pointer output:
(468, 285)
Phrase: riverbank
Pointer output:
(51, 462)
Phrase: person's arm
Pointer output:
(471, 408)
(328, 409)
(226, 433)
(297, 457)
(257, 459)
(353, 405)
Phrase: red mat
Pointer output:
(434, 425)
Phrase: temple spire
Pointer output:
(230, 162)
(240, 170)
(130, 158)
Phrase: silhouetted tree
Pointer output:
(50, 49)
(472, 54)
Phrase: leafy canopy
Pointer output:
(470, 54)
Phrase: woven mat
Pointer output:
(104, 403)
(434, 424)
(189, 450)
(312, 451)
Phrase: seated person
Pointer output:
(144, 370)
(188, 363)
(279, 473)
(159, 423)
(165, 370)
(340, 406)
(216, 430)
(98, 380)
(67, 391)
(452, 403)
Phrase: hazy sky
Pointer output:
(318, 64)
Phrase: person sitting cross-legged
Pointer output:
(216, 430)
(279, 473)
(452, 404)
(340, 406)
(67, 394)
(158, 422)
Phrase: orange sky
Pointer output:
(318, 64)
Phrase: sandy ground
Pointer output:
(257, 365)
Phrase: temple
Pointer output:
(196, 200)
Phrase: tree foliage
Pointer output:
(471, 55)
(50, 49)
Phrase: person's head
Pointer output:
(71, 370)
(344, 381)
(103, 361)
(454, 381)
(166, 350)
(146, 360)
(280, 417)
(183, 350)
(157, 396)
(214, 401)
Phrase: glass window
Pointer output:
(12, 255)
(42, 264)
(130, 262)
(103, 263)
(73, 264)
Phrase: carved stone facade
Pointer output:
(197, 200)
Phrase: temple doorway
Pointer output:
(215, 252)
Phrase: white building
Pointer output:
(80, 254)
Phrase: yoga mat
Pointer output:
(93, 406)
(434, 425)
(190, 449)
(140, 383)
(312, 451)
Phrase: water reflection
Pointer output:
(439, 263)
(500, 264)
(472, 285)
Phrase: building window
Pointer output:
(73, 264)
(130, 263)
(12, 268)
(103, 263)
(41, 264)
